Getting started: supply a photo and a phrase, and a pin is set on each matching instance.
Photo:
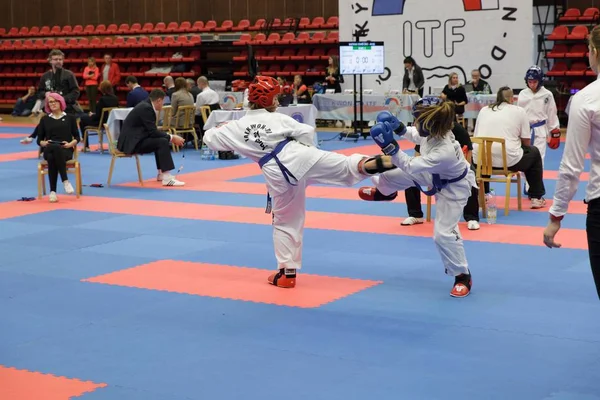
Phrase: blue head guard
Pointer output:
(427, 101)
(534, 72)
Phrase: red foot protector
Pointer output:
(236, 283)
(18, 384)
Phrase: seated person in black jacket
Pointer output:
(413, 195)
(57, 135)
(455, 92)
(108, 100)
(140, 135)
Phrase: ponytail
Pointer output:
(438, 120)
(500, 98)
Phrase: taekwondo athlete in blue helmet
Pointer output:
(441, 171)
(540, 107)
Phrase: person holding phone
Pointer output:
(57, 135)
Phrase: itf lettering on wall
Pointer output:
(443, 36)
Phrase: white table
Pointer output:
(114, 121)
(340, 107)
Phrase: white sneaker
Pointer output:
(68, 187)
(160, 177)
(412, 221)
(537, 203)
(473, 225)
(171, 181)
(53, 198)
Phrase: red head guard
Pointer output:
(263, 90)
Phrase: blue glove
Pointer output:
(383, 134)
(397, 126)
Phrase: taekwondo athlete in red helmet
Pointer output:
(284, 149)
(442, 167)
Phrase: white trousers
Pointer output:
(289, 207)
(449, 208)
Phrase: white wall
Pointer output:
(444, 37)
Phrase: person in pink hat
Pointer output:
(57, 136)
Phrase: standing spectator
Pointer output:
(25, 104)
(58, 136)
(333, 78)
(61, 81)
(413, 81)
(110, 71)
(90, 76)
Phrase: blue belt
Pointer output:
(533, 126)
(438, 183)
(287, 174)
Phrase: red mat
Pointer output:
(17, 384)
(235, 283)
(498, 233)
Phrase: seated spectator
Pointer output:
(471, 209)
(193, 89)
(140, 135)
(57, 136)
(136, 93)
(181, 97)
(207, 97)
(455, 92)
(169, 85)
(25, 104)
(479, 85)
(505, 120)
(108, 100)
(301, 90)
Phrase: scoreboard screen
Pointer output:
(358, 58)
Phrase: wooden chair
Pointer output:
(485, 172)
(99, 129)
(187, 113)
(205, 113)
(73, 167)
(112, 148)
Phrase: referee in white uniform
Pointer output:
(583, 133)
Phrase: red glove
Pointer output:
(465, 151)
(554, 142)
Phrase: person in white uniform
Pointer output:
(285, 151)
(540, 107)
(583, 135)
(442, 168)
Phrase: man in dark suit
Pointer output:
(136, 94)
(140, 135)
